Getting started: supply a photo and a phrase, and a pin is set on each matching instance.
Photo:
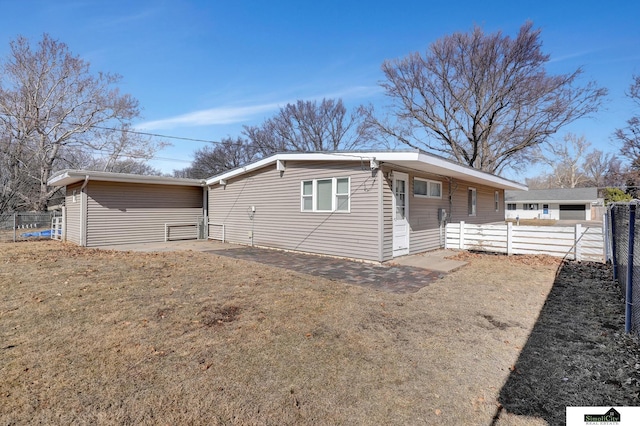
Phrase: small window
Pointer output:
(511, 206)
(325, 195)
(530, 206)
(307, 195)
(472, 201)
(74, 195)
(342, 194)
(496, 200)
(427, 188)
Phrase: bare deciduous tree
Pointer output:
(602, 169)
(212, 160)
(308, 126)
(566, 161)
(573, 165)
(630, 135)
(482, 99)
(49, 100)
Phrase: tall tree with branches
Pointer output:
(212, 160)
(50, 101)
(630, 135)
(481, 99)
(308, 126)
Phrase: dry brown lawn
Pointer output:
(106, 337)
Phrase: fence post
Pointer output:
(578, 243)
(509, 238)
(461, 235)
(629, 292)
(15, 225)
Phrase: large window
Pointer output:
(427, 188)
(325, 195)
(530, 206)
(472, 201)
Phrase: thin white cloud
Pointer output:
(235, 114)
(208, 117)
(573, 55)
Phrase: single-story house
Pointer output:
(365, 205)
(558, 204)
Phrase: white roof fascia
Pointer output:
(401, 158)
(68, 177)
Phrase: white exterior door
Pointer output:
(400, 214)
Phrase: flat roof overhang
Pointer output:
(68, 177)
(414, 160)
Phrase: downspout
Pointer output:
(83, 212)
(629, 280)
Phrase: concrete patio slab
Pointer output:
(407, 274)
(180, 245)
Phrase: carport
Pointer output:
(103, 208)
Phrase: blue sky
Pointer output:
(203, 69)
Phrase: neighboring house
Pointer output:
(564, 203)
(364, 205)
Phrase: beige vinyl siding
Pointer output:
(278, 221)
(121, 213)
(73, 214)
(485, 206)
(423, 216)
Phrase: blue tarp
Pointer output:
(46, 233)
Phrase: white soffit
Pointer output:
(415, 160)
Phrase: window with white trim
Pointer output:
(325, 195)
(472, 201)
(427, 188)
(533, 206)
(511, 206)
(496, 200)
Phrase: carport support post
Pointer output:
(629, 295)
(461, 235)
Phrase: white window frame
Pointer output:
(428, 182)
(474, 201)
(334, 195)
(496, 200)
(512, 207)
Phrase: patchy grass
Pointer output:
(108, 337)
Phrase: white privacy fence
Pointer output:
(576, 242)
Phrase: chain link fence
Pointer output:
(20, 226)
(623, 251)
